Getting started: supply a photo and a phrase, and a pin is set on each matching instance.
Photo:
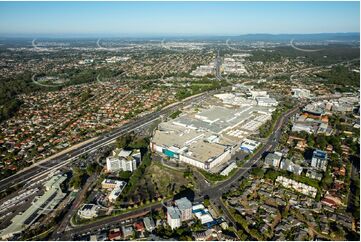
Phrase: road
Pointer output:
(67, 235)
(214, 192)
(37, 171)
(221, 187)
(218, 64)
(74, 208)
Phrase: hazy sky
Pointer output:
(197, 18)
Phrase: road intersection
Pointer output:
(38, 171)
(213, 192)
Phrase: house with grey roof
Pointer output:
(273, 159)
(288, 165)
(313, 174)
(149, 224)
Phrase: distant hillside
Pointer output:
(283, 38)
(329, 37)
(343, 37)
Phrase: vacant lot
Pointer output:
(158, 181)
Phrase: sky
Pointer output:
(177, 18)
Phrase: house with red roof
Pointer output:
(139, 226)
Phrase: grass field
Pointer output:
(159, 181)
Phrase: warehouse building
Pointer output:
(191, 146)
(208, 138)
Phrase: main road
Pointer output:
(214, 192)
(42, 169)
(272, 141)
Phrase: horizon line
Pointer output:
(143, 35)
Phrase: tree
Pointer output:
(85, 95)
(303, 134)
(140, 143)
(124, 175)
(188, 172)
(271, 174)
(283, 139)
(206, 202)
(310, 140)
(258, 172)
(175, 114)
(123, 141)
(77, 178)
(91, 168)
(327, 181)
(9, 109)
(185, 238)
(321, 142)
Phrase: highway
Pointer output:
(37, 171)
(218, 64)
(214, 192)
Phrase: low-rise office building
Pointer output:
(202, 214)
(314, 175)
(249, 145)
(111, 184)
(288, 165)
(127, 231)
(88, 211)
(273, 159)
(125, 160)
(115, 186)
(149, 224)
